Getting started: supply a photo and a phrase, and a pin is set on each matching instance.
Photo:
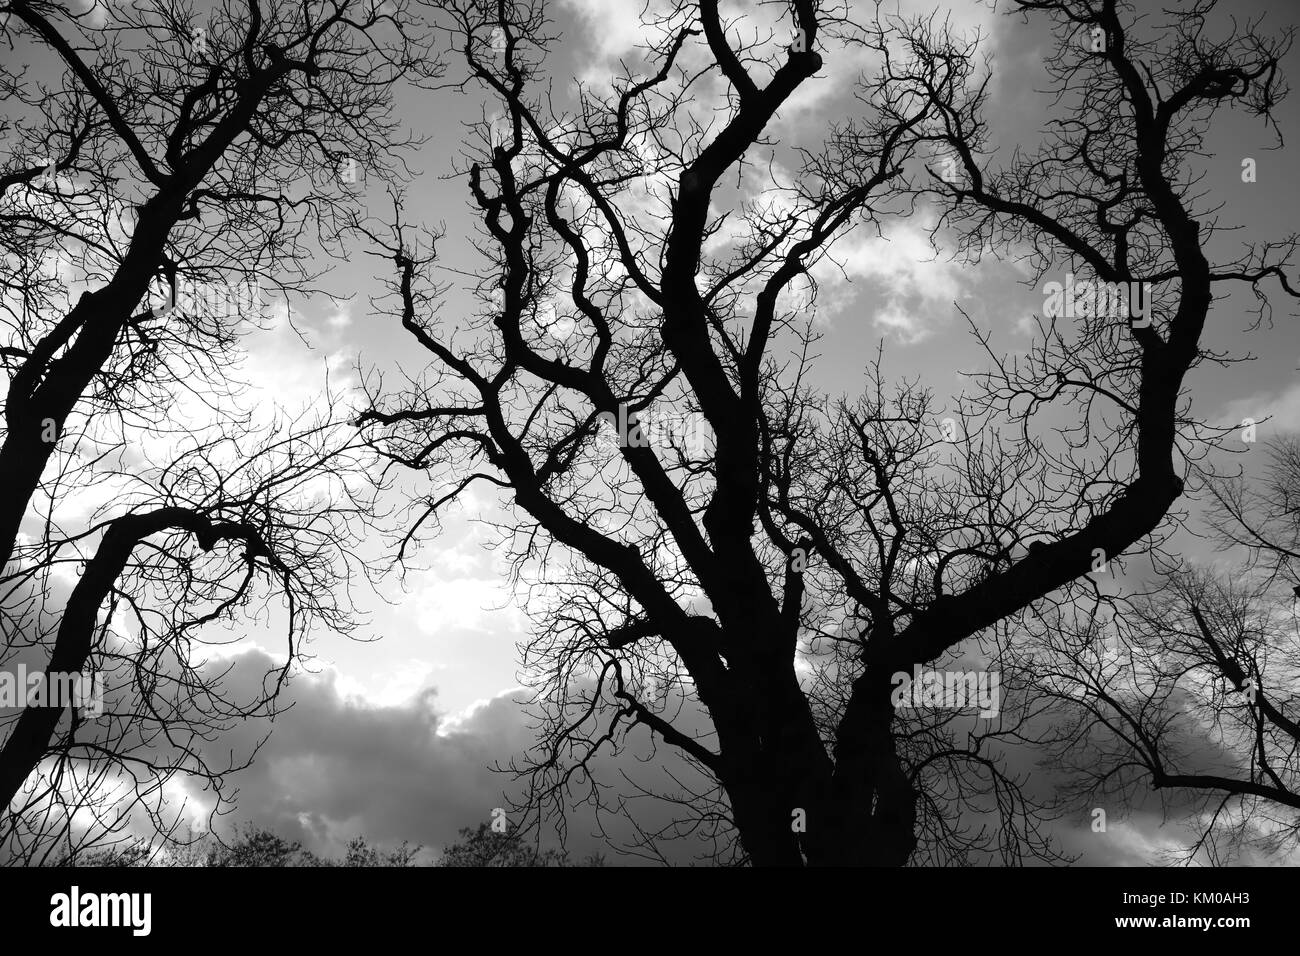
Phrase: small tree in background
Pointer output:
(182, 164)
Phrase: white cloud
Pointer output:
(284, 370)
(902, 260)
(917, 286)
(612, 29)
(393, 688)
(341, 318)
(465, 603)
(906, 326)
(1282, 409)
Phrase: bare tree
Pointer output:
(183, 164)
(1187, 687)
(697, 524)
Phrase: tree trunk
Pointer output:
(858, 810)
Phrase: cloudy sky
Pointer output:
(392, 737)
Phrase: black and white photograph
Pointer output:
(452, 436)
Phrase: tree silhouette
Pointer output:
(180, 168)
(1187, 687)
(695, 522)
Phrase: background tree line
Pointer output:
(259, 847)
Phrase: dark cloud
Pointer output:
(336, 767)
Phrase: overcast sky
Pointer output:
(392, 738)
